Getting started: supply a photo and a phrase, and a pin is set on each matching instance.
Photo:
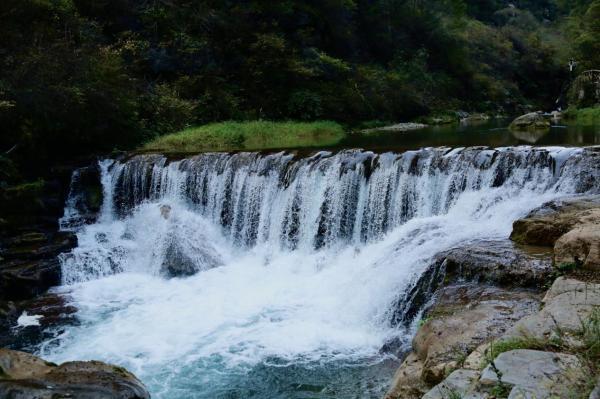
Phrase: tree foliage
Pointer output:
(78, 76)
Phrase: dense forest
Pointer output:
(82, 76)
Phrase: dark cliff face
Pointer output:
(30, 243)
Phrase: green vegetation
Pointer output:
(584, 116)
(256, 135)
(498, 347)
(590, 333)
(79, 77)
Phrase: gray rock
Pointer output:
(498, 262)
(567, 303)
(534, 373)
(186, 260)
(595, 394)
(460, 382)
(464, 317)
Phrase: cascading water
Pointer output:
(293, 265)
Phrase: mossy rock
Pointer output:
(533, 121)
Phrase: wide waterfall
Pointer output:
(275, 276)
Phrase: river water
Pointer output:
(299, 261)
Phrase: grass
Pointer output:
(251, 135)
(590, 332)
(498, 347)
(584, 116)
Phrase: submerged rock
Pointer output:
(181, 260)
(24, 376)
(530, 121)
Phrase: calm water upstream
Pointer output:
(493, 133)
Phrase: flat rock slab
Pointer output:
(499, 262)
(567, 303)
(537, 373)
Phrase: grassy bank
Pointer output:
(584, 116)
(252, 135)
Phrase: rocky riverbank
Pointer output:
(491, 330)
(30, 245)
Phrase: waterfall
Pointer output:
(286, 259)
(349, 197)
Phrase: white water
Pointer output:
(311, 255)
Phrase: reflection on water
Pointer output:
(530, 136)
(492, 133)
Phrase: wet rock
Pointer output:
(533, 373)
(566, 304)
(25, 376)
(85, 197)
(463, 319)
(30, 265)
(28, 323)
(177, 263)
(42, 246)
(530, 121)
(498, 262)
(182, 261)
(22, 280)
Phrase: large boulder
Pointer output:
(580, 246)
(24, 376)
(184, 258)
(572, 227)
(530, 121)
(461, 382)
(546, 224)
(498, 262)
